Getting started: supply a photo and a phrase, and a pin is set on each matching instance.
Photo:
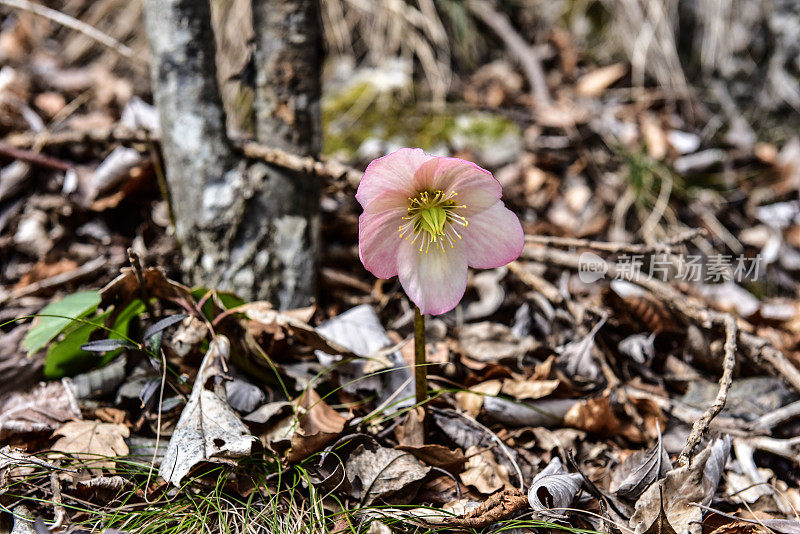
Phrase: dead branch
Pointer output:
(700, 427)
(497, 507)
(303, 164)
(519, 49)
(77, 25)
(35, 158)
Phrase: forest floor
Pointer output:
(635, 370)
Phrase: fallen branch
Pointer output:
(497, 507)
(700, 427)
(302, 164)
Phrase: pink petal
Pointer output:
(378, 239)
(476, 187)
(435, 281)
(393, 172)
(493, 237)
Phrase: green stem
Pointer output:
(420, 368)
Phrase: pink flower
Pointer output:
(426, 219)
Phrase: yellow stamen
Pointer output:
(432, 216)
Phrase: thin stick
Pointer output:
(42, 160)
(700, 426)
(74, 24)
(616, 247)
(420, 369)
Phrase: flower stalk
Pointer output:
(420, 365)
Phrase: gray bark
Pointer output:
(247, 229)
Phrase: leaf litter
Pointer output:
(535, 366)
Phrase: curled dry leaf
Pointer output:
(208, 429)
(93, 442)
(492, 342)
(317, 424)
(553, 489)
(44, 409)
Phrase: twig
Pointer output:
(75, 24)
(136, 265)
(536, 282)
(497, 507)
(42, 160)
(770, 420)
(700, 426)
(522, 51)
(617, 247)
(90, 267)
(59, 514)
(303, 164)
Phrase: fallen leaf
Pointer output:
(593, 84)
(553, 489)
(91, 440)
(44, 409)
(576, 356)
(660, 524)
(642, 468)
(680, 489)
(529, 389)
(358, 466)
(541, 412)
(208, 429)
(483, 472)
(593, 415)
(317, 425)
(436, 455)
(471, 401)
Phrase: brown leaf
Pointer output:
(124, 289)
(529, 389)
(595, 83)
(318, 425)
(410, 431)
(483, 472)
(593, 415)
(88, 440)
(44, 409)
(472, 402)
(437, 456)
(660, 524)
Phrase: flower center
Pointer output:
(431, 219)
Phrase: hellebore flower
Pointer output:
(427, 218)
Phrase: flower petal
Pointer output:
(378, 239)
(393, 172)
(493, 237)
(476, 187)
(435, 281)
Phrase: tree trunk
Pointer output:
(247, 229)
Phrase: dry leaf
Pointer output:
(318, 424)
(89, 440)
(642, 468)
(208, 429)
(483, 472)
(44, 409)
(595, 83)
(529, 389)
(593, 415)
(472, 402)
(553, 489)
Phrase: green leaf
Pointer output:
(72, 306)
(65, 357)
